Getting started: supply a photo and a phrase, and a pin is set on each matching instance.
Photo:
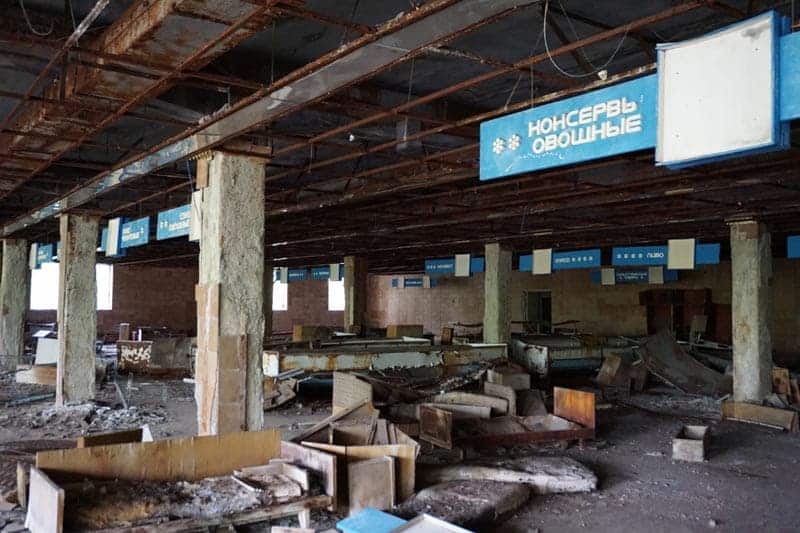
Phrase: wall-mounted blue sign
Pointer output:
(610, 121)
(321, 272)
(44, 254)
(440, 267)
(639, 255)
(576, 259)
(412, 282)
(525, 263)
(297, 274)
(395, 283)
(174, 222)
(793, 247)
(635, 275)
(135, 233)
(476, 264)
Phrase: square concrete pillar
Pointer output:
(15, 281)
(230, 297)
(496, 314)
(77, 308)
(355, 294)
(751, 275)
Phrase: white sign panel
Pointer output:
(717, 94)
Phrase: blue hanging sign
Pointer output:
(103, 237)
(135, 233)
(706, 254)
(297, 274)
(174, 222)
(526, 263)
(639, 255)
(476, 264)
(576, 259)
(412, 282)
(440, 267)
(44, 254)
(610, 121)
(793, 247)
(321, 273)
(395, 283)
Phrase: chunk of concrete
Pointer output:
(545, 475)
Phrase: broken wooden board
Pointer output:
(274, 468)
(514, 377)
(361, 412)
(760, 414)
(349, 390)
(574, 405)
(322, 464)
(502, 391)
(436, 426)
(371, 483)
(117, 437)
(394, 331)
(184, 459)
(499, 406)
(530, 403)
(669, 362)
(46, 512)
(459, 411)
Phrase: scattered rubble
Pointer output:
(85, 417)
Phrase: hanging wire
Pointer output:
(30, 26)
(72, 14)
(569, 74)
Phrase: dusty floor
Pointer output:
(749, 482)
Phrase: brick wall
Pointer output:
(307, 304)
(145, 296)
(605, 310)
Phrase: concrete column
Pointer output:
(751, 275)
(14, 295)
(77, 308)
(355, 294)
(230, 297)
(496, 314)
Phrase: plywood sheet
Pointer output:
(436, 426)
(348, 391)
(322, 464)
(574, 405)
(46, 509)
(760, 414)
(187, 459)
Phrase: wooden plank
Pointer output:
(22, 485)
(201, 179)
(499, 406)
(38, 375)
(316, 428)
(371, 483)
(348, 390)
(760, 414)
(185, 459)
(574, 405)
(323, 465)
(502, 391)
(46, 509)
(781, 382)
(436, 427)
(206, 363)
(460, 412)
(116, 437)
(231, 383)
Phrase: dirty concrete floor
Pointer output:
(749, 482)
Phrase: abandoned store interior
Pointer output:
(399, 265)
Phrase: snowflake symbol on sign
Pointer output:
(514, 142)
(498, 146)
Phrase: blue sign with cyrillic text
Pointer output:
(576, 259)
(174, 222)
(135, 233)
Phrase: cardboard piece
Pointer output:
(46, 512)
(436, 426)
(499, 406)
(371, 483)
(185, 459)
(349, 390)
